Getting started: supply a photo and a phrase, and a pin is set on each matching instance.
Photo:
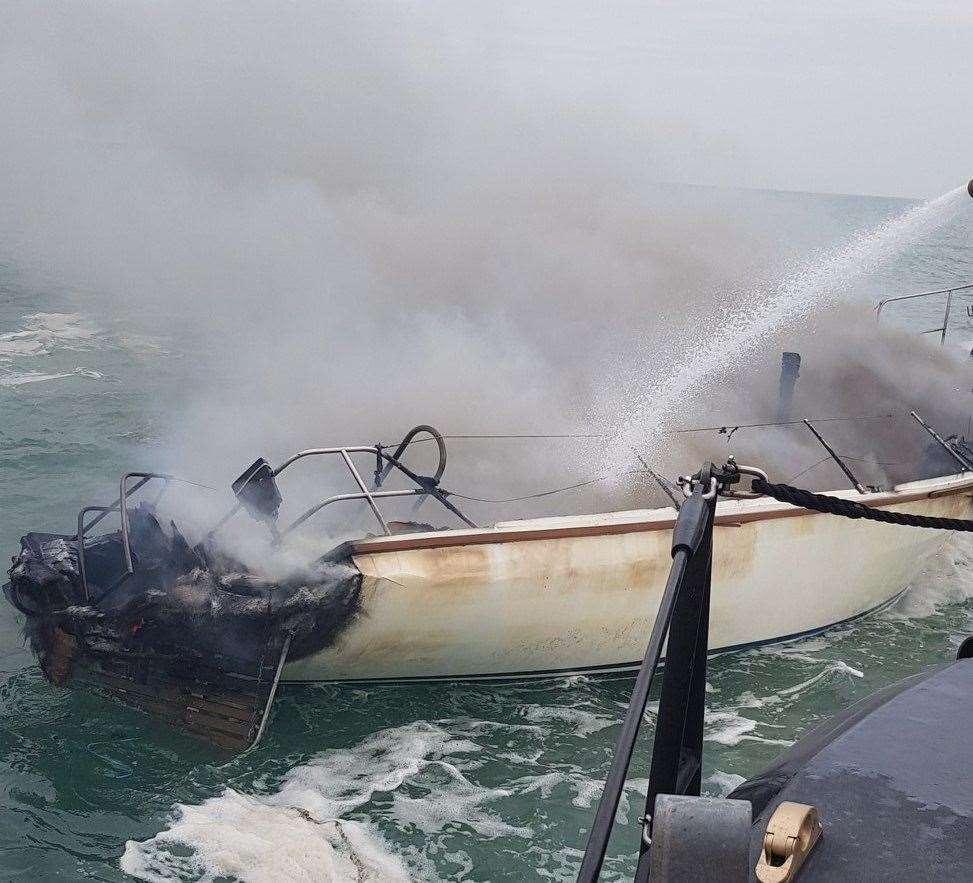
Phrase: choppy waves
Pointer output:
(504, 787)
(41, 335)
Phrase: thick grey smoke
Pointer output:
(353, 221)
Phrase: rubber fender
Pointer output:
(700, 839)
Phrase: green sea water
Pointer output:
(447, 782)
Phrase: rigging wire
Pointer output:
(729, 426)
(549, 493)
(722, 428)
(646, 470)
(846, 457)
(587, 482)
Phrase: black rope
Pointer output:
(853, 509)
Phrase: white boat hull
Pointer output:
(581, 594)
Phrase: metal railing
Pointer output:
(949, 292)
(385, 463)
(426, 485)
(121, 507)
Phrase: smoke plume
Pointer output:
(351, 218)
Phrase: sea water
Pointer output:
(439, 782)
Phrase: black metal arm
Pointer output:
(683, 616)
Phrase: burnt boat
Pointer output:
(186, 630)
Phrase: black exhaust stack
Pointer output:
(790, 367)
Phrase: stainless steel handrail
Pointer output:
(427, 485)
(949, 292)
(337, 498)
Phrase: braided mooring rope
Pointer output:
(852, 509)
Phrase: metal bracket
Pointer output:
(735, 468)
(792, 832)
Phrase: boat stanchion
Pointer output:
(943, 443)
(834, 456)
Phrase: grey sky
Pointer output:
(862, 96)
(857, 96)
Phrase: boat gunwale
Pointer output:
(947, 485)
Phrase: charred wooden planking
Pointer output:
(227, 711)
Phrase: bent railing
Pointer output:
(121, 507)
(426, 485)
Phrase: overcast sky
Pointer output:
(858, 96)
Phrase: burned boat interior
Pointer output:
(186, 630)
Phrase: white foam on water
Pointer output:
(19, 378)
(724, 783)
(584, 722)
(23, 343)
(414, 777)
(730, 728)
(245, 838)
(643, 407)
(585, 789)
(61, 326)
(947, 578)
(835, 667)
(41, 333)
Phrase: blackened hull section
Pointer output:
(191, 637)
(226, 706)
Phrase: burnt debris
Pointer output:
(189, 632)
(191, 635)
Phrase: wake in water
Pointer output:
(245, 838)
(295, 834)
(946, 579)
(699, 360)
